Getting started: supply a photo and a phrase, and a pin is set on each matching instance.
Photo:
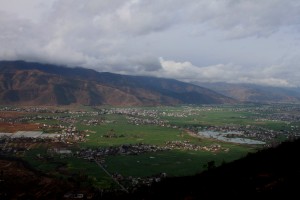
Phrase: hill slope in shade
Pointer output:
(255, 93)
(269, 173)
(25, 83)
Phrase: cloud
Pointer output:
(229, 73)
(130, 36)
(239, 19)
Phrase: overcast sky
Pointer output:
(249, 41)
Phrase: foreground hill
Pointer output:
(255, 93)
(25, 83)
(270, 173)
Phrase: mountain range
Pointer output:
(255, 93)
(28, 83)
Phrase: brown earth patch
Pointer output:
(11, 114)
(9, 127)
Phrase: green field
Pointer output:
(176, 123)
(174, 163)
(65, 166)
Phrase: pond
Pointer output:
(222, 136)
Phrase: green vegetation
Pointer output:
(67, 166)
(174, 163)
(105, 127)
(130, 134)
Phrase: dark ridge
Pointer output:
(269, 173)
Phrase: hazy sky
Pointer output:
(249, 41)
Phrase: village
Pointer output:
(64, 130)
(57, 131)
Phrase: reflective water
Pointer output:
(222, 136)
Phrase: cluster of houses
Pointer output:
(133, 112)
(92, 122)
(186, 145)
(28, 109)
(128, 149)
(131, 183)
(190, 110)
(21, 141)
(287, 117)
(145, 121)
(20, 145)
